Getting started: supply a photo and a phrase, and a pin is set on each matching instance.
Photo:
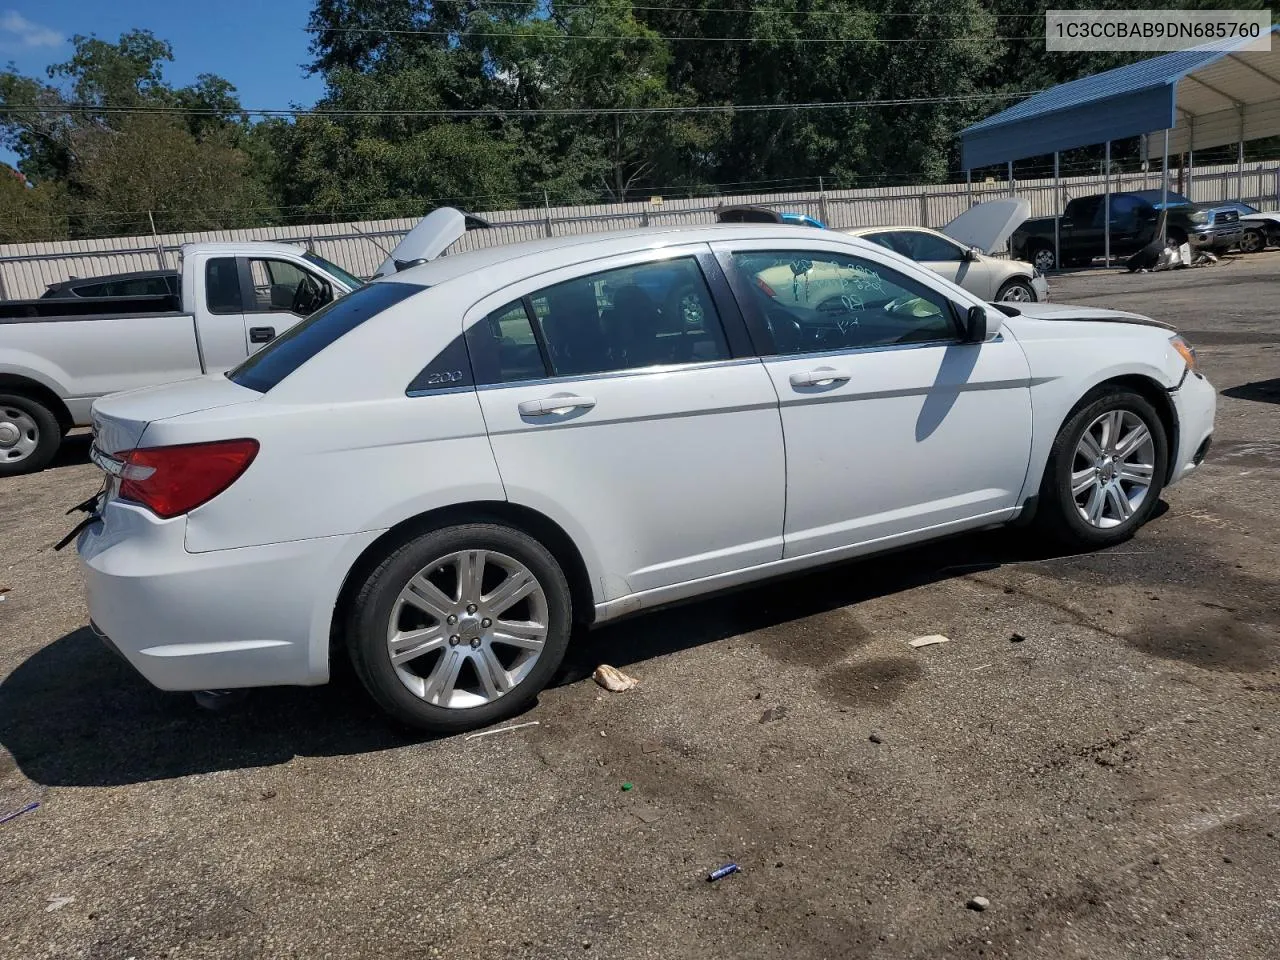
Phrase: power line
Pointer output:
(762, 9)
(165, 110)
(656, 38)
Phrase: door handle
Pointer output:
(553, 405)
(823, 376)
(262, 334)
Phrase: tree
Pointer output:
(27, 212)
(102, 138)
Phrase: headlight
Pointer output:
(1199, 217)
(1187, 352)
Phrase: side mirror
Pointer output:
(972, 253)
(975, 325)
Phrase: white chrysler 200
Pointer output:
(450, 467)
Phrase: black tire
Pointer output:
(1253, 241)
(1057, 513)
(1029, 294)
(367, 623)
(15, 411)
(1039, 254)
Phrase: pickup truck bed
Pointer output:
(48, 308)
(58, 355)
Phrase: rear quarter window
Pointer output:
(304, 340)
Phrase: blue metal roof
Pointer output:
(1124, 102)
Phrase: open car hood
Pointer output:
(434, 234)
(988, 225)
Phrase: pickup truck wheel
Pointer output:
(1043, 259)
(29, 435)
(460, 627)
(1252, 241)
(1105, 471)
(1016, 291)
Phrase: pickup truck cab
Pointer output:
(59, 355)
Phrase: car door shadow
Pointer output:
(771, 603)
(74, 714)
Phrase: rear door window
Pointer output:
(647, 315)
(222, 286)
(300, 343)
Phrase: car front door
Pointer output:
(623, 400)
(277, 294)
(893, 425)
(1081, 230)
(950, 260)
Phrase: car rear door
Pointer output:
(893, 426)
(623, 400)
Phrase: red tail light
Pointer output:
(171, 481)
(766, 288)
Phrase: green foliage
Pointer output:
(534, 77)
(29, 213)
(103, 155)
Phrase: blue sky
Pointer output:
(259, 46)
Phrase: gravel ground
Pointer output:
(1108, 782)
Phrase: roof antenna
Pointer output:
(371, 240)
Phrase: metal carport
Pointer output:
(1199, 98)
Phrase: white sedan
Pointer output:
(449, 468)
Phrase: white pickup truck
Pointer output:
(59, 355)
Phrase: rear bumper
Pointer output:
(1195, 402)
(249, 617)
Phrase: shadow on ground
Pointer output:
(1262, 391)
(75, 714)
(74, 451)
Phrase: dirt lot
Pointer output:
(1109, 783)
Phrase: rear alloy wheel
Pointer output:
(1252, 241)
(29, 435)
(460, 627)
(1105, 470)
(1016, 291)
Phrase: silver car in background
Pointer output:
(962, 251)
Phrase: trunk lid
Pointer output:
(432, 236)
(119, 419)
(988, 225)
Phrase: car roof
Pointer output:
(882, 228)
(243, 247)
(531, 257)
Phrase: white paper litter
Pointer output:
(928, 641)
(613, 679)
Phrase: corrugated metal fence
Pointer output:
(26, 269)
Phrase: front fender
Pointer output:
(1065, 369)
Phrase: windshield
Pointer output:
(1154, 197)
(334, 270)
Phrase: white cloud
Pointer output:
(15, 27)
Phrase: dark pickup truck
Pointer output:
(1135, 218)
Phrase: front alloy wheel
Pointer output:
(1252, 241)
(1044, 260)
(1105, 470)
(1114, 464)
